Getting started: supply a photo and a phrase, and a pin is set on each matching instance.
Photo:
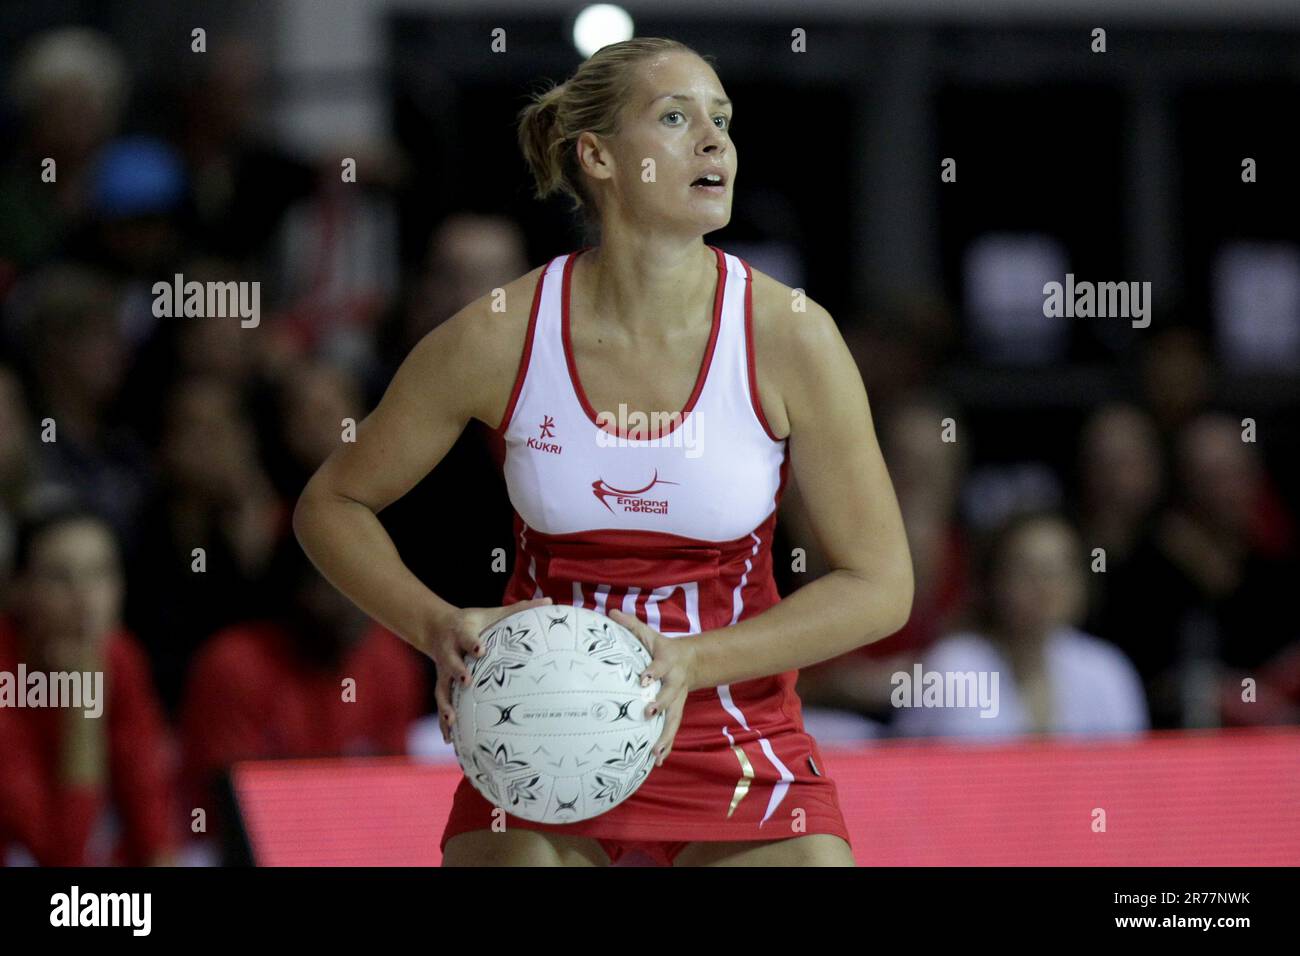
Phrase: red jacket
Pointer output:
(59, 825)
(249, 696)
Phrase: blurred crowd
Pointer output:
(1149, 592)
(149, 467)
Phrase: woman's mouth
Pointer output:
(710, 183)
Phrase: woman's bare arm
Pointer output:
(462, 369)
(867, 593)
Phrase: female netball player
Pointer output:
(674, 528)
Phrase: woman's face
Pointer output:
(1121, 462)
(318, 400)
(93, 356)
(679, 117)
(1038, 585)
(206, 437)
(1220, 473)
(72, 589)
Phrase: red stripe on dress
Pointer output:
(526, 356)
(749, 353)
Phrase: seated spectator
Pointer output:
(1205, 599)
(1120, 489)
(307, 413)
(77, 789)
(69, 86)
(315, 678)
(1177, 376)
(927, 474)
(214, 495)
(77, 361)
(19, 466)
(1050, 677)
(467, 255)
(1121, 479)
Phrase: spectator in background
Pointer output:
(337, 257)
(449, 549)
(19, 472)
(314, 678)
(213, 495)
(1177, 376)
(313, 400)
(467, 255)
(77, 363)
(900, 348)
(1208, 587)
(184, 347)
(78, 790)
(1052, 678)
(927, 473)
(240, 182)
(69, 86)
(134, 226)
(221, 348)
(1121, 474)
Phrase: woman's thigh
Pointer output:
(814, 849)
(522, 848)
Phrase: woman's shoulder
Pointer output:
(496, 319)
(779, 309)
(793, 337)
(476, 351)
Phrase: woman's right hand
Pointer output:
(457, 636)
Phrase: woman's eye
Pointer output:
(726, 120)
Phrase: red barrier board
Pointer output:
(1213, 798)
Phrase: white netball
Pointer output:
(552, 727)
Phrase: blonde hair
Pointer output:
(592, 99)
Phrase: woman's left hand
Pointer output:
(673, 663)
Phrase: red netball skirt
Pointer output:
(741, 768)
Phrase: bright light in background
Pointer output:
(600, 25)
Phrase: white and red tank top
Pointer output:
(676, 527)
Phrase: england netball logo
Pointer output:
(631, 500)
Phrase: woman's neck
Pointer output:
(646, 288)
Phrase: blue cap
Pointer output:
(137, 176)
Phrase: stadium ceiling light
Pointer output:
(600, 25)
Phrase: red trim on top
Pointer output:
(526, 356)
(780, 487)
(750, 361)
(704, 366)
